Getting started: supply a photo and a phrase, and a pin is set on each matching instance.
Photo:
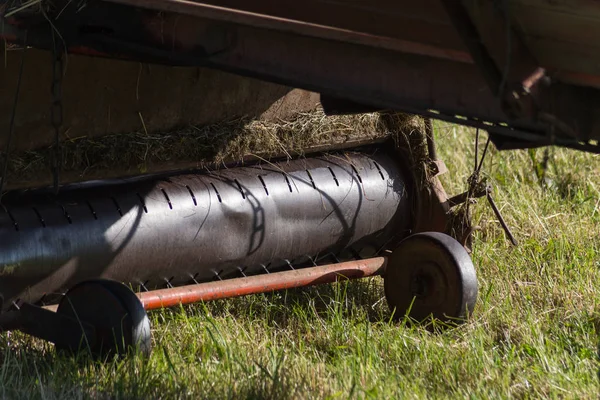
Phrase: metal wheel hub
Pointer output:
(117, 316)
(428, 284)
(430, 275)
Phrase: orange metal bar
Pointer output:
(262, 283)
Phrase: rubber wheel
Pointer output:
(118, 316)
(430, 275)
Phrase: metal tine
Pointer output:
(265, 268)
(193, 278)
(289, 264)
(501, 219)
(242, 271)
(476, 149)
(487, 144)
(218, 275)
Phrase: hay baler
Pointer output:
(84, 253)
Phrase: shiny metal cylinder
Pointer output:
(194, 227)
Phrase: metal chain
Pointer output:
(11, 127)
(56, 113)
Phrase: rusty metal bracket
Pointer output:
(437, 166)
(46, 324)
(510, 69)
(522, 86)
(391, 68)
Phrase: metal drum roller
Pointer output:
(172, 230)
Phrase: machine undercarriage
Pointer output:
(84, 254)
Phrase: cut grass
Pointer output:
(534, 333)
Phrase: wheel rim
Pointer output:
(430, 275)
(119, 319)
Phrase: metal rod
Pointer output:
(262, 283)
(11, 125)
(476, 149)
(461, 198)
(487, 144)
(501, 219)
(430, 140)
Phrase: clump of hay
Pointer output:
(409, 133)
(224, 143)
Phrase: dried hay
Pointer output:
(208, 146)
(409, 134)
(19, 6)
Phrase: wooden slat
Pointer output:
(565, 57)
(419, 21)
(562, 27)
(563, 35)
(103, 96)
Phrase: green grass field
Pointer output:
(534, 333)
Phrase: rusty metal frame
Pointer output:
(264, 283)
(285, 25)
(375, 71)
(44, 323)
(523, 87)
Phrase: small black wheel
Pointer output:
(430, 275)
(119, 318)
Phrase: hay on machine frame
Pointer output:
(233, 142)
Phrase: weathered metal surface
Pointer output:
(415, 21)
(103, 96)
(391, 67)
(395, 80)
(295, 26)
(562, 34)
(60, 329)
(172, 230)
(524, 87)
(310, 276)
(495, 45)
(521, 105)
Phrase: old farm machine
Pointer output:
(83, 256)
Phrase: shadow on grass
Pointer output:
(202, 361)
(30, 368)
(362, 297)
(29, 373)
